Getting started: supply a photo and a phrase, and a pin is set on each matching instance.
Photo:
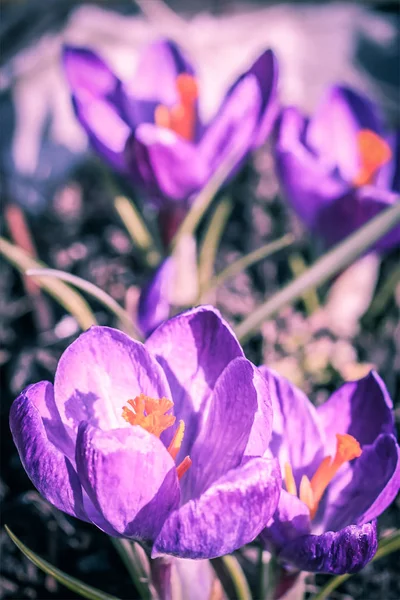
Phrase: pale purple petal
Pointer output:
(290, 520)
(308, 182)
(344, 551)
(193, 349)
(99, 373)
(154, 301)
(50, 471)
(374, 484)
(361, 408)
(297, 437)
(240, 394)
(166, 163)
(231, 513)
(130, 478)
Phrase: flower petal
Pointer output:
(351, 211)
(290, 520)
(231, 430)
(231, 513)
(374, 484)
(361, 408)
(98, 102)
(130, 478)
(344, 551)
(154, 301)
(308, 182)
(99, 373)
(50, 471)
(193, 349)
(297, 437)
(333, 130)
(165, 163)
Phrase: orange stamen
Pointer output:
(184, 466)
(181, 118)
(374, 153)
(151, 415)
(289, 480)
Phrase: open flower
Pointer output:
(339, 168)
(162, 442)
(149, 128)
(341, 469)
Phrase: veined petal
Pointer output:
(154, 301)
(290, 520)
(361, 408)
(130, 478)
(374, 484)
(227, 435)
(297, 437)
(165, 163)
(231, 513)
(99, 373)
(193, 349)
(50, 471)
(344, 551)
(308, 182)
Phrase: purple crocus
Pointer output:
(340, 167)
(162, 443)
(341, 469)
(149, 128)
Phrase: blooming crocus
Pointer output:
(341, 469)
(149, 127)
(162, 443)
(340, 167)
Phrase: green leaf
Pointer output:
(76, 586)
(232, 578)
(100, 295)
(64, 294)
(334, 261)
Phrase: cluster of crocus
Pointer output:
(341, 469)
(339, 168)
(164, 442)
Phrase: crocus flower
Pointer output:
(338, 168)
(341, 469)
(149, 127)
(162, 443)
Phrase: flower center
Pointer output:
(311, 492)
(151, 414)
(181, 118)
(374, 153)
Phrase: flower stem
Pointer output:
(135, 560)
(232, 578)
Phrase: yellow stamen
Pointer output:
(374, 153)
(151, 415)
(306, 494)
(289, 480)
(181, 118)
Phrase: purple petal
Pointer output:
(374, 484)
(231, 431)
(333, 130)
(234, 129)
(154, 303)
(155, 78)
(231, 513)
(99, 373)
(361, 408)
(98, 102)
(290, 520)
(344, 551)
(308, 182)
(130, 478)
(297, 437)
(165, 163)
(351, 211)
(50, 471)
(193, 348)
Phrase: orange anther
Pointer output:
(176, 442)
(289, 480)
(180, 118)
(374, 153)
(184, 466)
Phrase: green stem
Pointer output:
(327, 266)
(232, 578)
(310, 297)
(93, 291)
(135, 560)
